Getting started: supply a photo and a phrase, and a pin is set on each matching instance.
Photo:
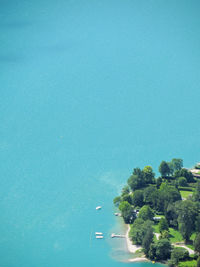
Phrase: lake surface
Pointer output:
(89, 90)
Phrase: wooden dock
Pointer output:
(117, 235)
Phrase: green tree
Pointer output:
(177, 164)
(167, 194)
(163, 249)
(185, 173)
(136, 180)
(171, 215)
(163, 225)
(197, 223)
(198, 262)
(197, 243)
(152, 251)
(146, 213)
(182, 181)
(138, 199)
(137, 232)
(127, 211)
(147, 240)
(187, 212)
(127, 197)
(148, 174)
(165, 234)
(171, 168)
(149, 194)
(179, 254)
(158, 182)
(196, 195)
(139, 229)
(164, 169)
(116, 201)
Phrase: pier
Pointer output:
(117, 235)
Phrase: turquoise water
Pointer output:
(89, 90)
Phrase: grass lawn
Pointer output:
(191, 263)
(175, 235)
(185, 194)
(156, 229)
(193, 236)
(190, 246)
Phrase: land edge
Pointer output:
(133, 248)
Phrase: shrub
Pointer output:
(179, 254)
(182, 181)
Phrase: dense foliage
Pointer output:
(162, 206)
(177, 255)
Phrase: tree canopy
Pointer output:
(164, 169)
(197, 243)
(164, 197)
(160, 250)
(127, 211)
(163, 225)
(148, 175)
(146, 213)
(138, 198)
(187, 212)
(185, 173)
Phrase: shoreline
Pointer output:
(133, 248)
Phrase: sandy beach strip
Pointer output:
(133, 248)
(138, 259)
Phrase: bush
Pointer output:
(117, 201)
(197, 243)
(146, 213)
(127, 211)
(139, 230)
(198, 262)
(185, 173)
(182, 181)
(137, 198)
(161, 250)
(179, 254)
(163, 225)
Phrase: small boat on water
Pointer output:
(98, 207)
(99, 236)
(98, 233)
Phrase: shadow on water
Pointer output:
(9, 58)
(15, 24)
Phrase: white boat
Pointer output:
(98, 233)
(98, 207)
(99, 236)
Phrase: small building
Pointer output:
(157, 219)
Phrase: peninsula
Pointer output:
(163, 214)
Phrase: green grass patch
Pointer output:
(193, 236)
(175, 235)
(156, 228)
(190, 246)
(185, 194)
(155, 239)
(192, 263)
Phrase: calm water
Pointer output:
(89, 90)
